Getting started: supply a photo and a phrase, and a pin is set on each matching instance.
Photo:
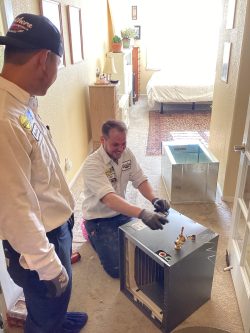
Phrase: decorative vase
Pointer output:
(126, 43)
(116, 47)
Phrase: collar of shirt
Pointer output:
(20, 94)
(107, 159)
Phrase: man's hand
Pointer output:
(57, 286)
(153, 220)
(160, 205)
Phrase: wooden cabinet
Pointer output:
(136, 72)
(103, 106)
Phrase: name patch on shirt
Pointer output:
(110, 173)
(35, 132)
(126, 165)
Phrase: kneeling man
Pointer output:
(106, 174)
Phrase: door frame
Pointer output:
(240, 277)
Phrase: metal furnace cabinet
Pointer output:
(167, 284)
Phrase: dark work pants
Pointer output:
(103, 235)
(45, 314)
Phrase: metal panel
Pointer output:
(189, 172)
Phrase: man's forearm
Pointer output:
(117, 203)
(146, 190)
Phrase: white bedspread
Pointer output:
(167, 87)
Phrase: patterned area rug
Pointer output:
(176, 126)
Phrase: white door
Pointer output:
(239, 240)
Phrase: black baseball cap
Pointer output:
(34, 32)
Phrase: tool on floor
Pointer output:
(228, 268)
(75, 257)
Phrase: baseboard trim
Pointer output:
(74, 179)
(224, 198)
(90, 147)
(219, 190)
(227, 199)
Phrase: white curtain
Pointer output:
(182, 34)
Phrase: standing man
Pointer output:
(36, 216)
(106, 174)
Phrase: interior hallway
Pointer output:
(98, 294)
(94, 291)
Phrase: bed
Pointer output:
(170, 87)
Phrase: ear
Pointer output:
(42, 58)
(102, 139)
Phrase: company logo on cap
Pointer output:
(29, 31)
(20, 25)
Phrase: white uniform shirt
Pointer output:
(101, 175)
(34, 195)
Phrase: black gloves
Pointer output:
(160, 205)
(57, 286)
(153, 220)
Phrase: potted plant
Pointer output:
(116, 44)
(127, 34)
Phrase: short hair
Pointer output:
(17, 56)
(110, 124)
